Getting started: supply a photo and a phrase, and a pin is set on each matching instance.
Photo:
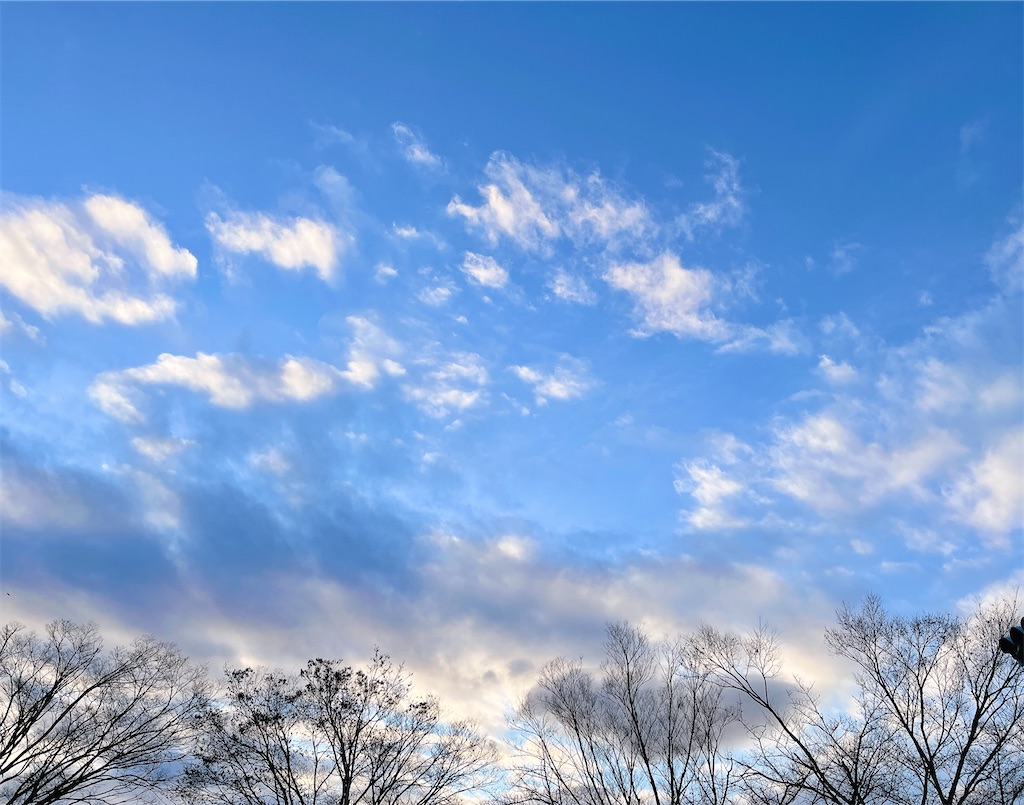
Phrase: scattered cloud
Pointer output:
(862, 547)
(288, 243)
(159, 449)
(327, 134)
(989, 495)
(484, 270)
(11, 322)
(569, 380)
(414, 148)
(571, 288)
(780, 338)
(384, 272)
(86, 258)
(509, 209)
(271, 460)
(437, 295)
(712, 489)
(534, 206)
(670, 298)
(972, 133)
(727, 208)
(1005, 260)
(372, 352)
(843, 258)
(228, 381)
(836, 372)
(451, 384)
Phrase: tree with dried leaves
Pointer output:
(647, 731)
(332, 735)
(84, 725)
(937, 714)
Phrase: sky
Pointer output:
(464, 329)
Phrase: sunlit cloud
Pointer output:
(289, 243)
(104, 259)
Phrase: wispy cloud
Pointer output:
(709, 485)
(159, 449)
(569, 380)
(328, 134)
(509, 209)
(571, 288)
(414, 148)
(843, 257)
(836, 371)
(535, 206)
(727, 207)
(669, 297)
(228, 381)
(484, 270)
(86, 258)
(989, 495)
(1005, 259)
(449, 384)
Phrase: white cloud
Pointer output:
(130, 225)
(509, 207)
(371, 352)
(571, 288)
(414, 148)
(406, 232)
(436, 295)
(451, 385)
(822, 462)
(159, 449)
(972, 133)
(940, 387)
(840, 324)
(272, 460)
(289, 243)
(836, 372)
(990, 494)
(1005, 260)
(781, 338)
(328, 134)
(727, 207)
(228, 381)
(711, 488)
(567, 381)
(670, 298)
(384, 272)
(535, 206)
(484, 270)
(12, 322)
(843, 258)
(76, 258)
(862, 547)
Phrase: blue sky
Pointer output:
(463, 329)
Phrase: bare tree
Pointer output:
(798, 753)
(83, 725)
(647, 732)
(954, 701)
(937, 717)
(333, 735)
